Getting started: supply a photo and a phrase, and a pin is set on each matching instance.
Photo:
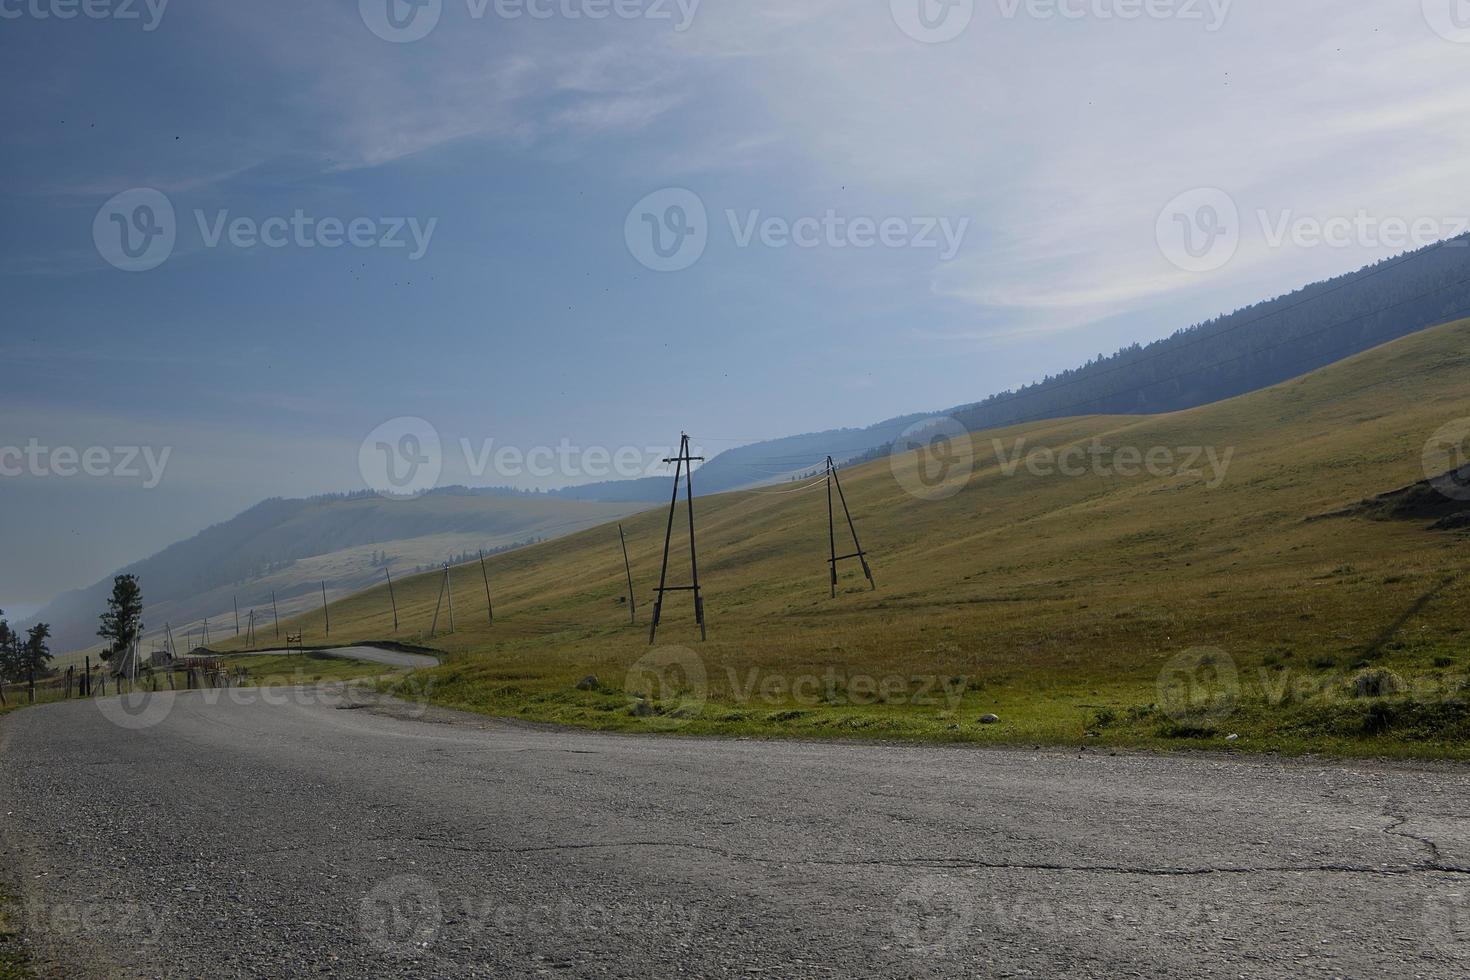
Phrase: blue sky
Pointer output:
(1054, 141)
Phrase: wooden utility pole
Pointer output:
(628, 567)
(859, 553)
(682, 463)
(237, 614)
(392, 600)
(443, 583)
(489, 606)
(325, 615)
(275, 615)
(449, 595)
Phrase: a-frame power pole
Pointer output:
(859, 553)
(682, 463)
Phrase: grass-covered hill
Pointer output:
(290, 547)
(1071, 606)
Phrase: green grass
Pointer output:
(287, 669)
(14, 961)
(1055, 598)
(262, 671)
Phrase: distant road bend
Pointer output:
(372, 655)
(247, 836)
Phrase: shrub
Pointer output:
(1377, 682)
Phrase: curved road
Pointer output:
(249, 833)
(372, 655)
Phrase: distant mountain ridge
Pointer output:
(289, 547)
(1234, 354)
(330, 537)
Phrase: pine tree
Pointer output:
(123, 620)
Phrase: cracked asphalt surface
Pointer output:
(240, 835)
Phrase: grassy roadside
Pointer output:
(1277, 708)
(14, 960)
(1110, 604)
(283, 670)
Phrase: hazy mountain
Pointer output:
(1244, 351)
(289, 547)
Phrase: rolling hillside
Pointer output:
(289, 547)
(1233, 354)
(1057, 600)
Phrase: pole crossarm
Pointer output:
(683, 465)
(862, 556)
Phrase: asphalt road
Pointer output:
(372, 655)
(297, 837)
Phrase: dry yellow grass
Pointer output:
(1053, 597)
